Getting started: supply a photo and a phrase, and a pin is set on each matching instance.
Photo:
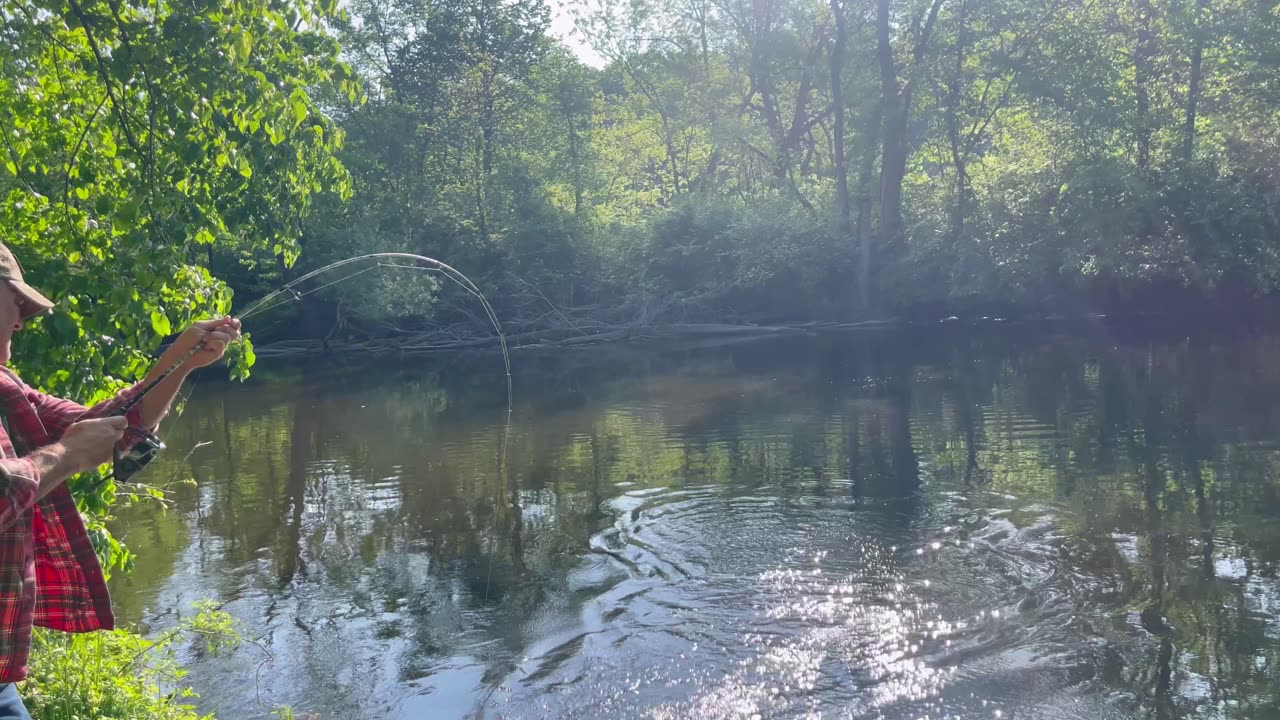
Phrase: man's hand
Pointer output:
(88, 443)
(84, 446)
(211, 336)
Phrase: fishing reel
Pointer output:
(125, 464)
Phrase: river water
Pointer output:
(960, 523)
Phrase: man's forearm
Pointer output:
(54, 465)
(155, 406)
(197, 347)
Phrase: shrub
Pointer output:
(118, 674)
(111, 674)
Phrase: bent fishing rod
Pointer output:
(127, 463)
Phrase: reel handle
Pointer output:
(126, 464)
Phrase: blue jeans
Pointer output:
(11, 707)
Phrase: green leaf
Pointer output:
(63, 328)
(241, 358)
(160, 323)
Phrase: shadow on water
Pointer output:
(964, 524)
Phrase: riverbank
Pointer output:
(1206, 320)
(1162, 308)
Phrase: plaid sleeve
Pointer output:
(19, 478)
(19, 487)
(58, 414)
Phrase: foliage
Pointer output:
(710, 259)
(1054, 152)
(94, 675)
(118, 674)
(138, 137)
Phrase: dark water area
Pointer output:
(989, 523)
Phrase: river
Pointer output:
(937, 522)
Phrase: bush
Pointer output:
(724, 259)
(111, 674)
(118, 674)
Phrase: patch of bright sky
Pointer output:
(563, 30)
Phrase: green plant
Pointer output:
(118, 674)
(123, 676)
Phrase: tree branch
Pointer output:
(116, 105)
(917, 53)
(66, 181)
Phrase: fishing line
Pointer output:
(458, 278)
(298, 296)
(415, 267)
(129, 462)
(447, 270)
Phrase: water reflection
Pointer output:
(892, 525)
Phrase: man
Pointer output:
(49, 575)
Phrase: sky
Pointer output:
(562, 28)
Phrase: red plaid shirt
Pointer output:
(49, 574)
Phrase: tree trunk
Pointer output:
(1142, 76)
(1142, 55)
(577, 175)
(481, 211)
(837, 107)
(706, 181)
(952, 113)
(760, 76)
(673, 159)
(893, 160)
(896, 109)
(1193, 89)
(866, 200)
(668, 134)
(488, 120)
(567, 107)
(893, 168)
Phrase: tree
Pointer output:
(136, 134)
(897, 85)
(985, 150)
(839, 43)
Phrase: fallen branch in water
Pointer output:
(448, 340)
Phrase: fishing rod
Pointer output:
(433, 266)
(126, 464)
